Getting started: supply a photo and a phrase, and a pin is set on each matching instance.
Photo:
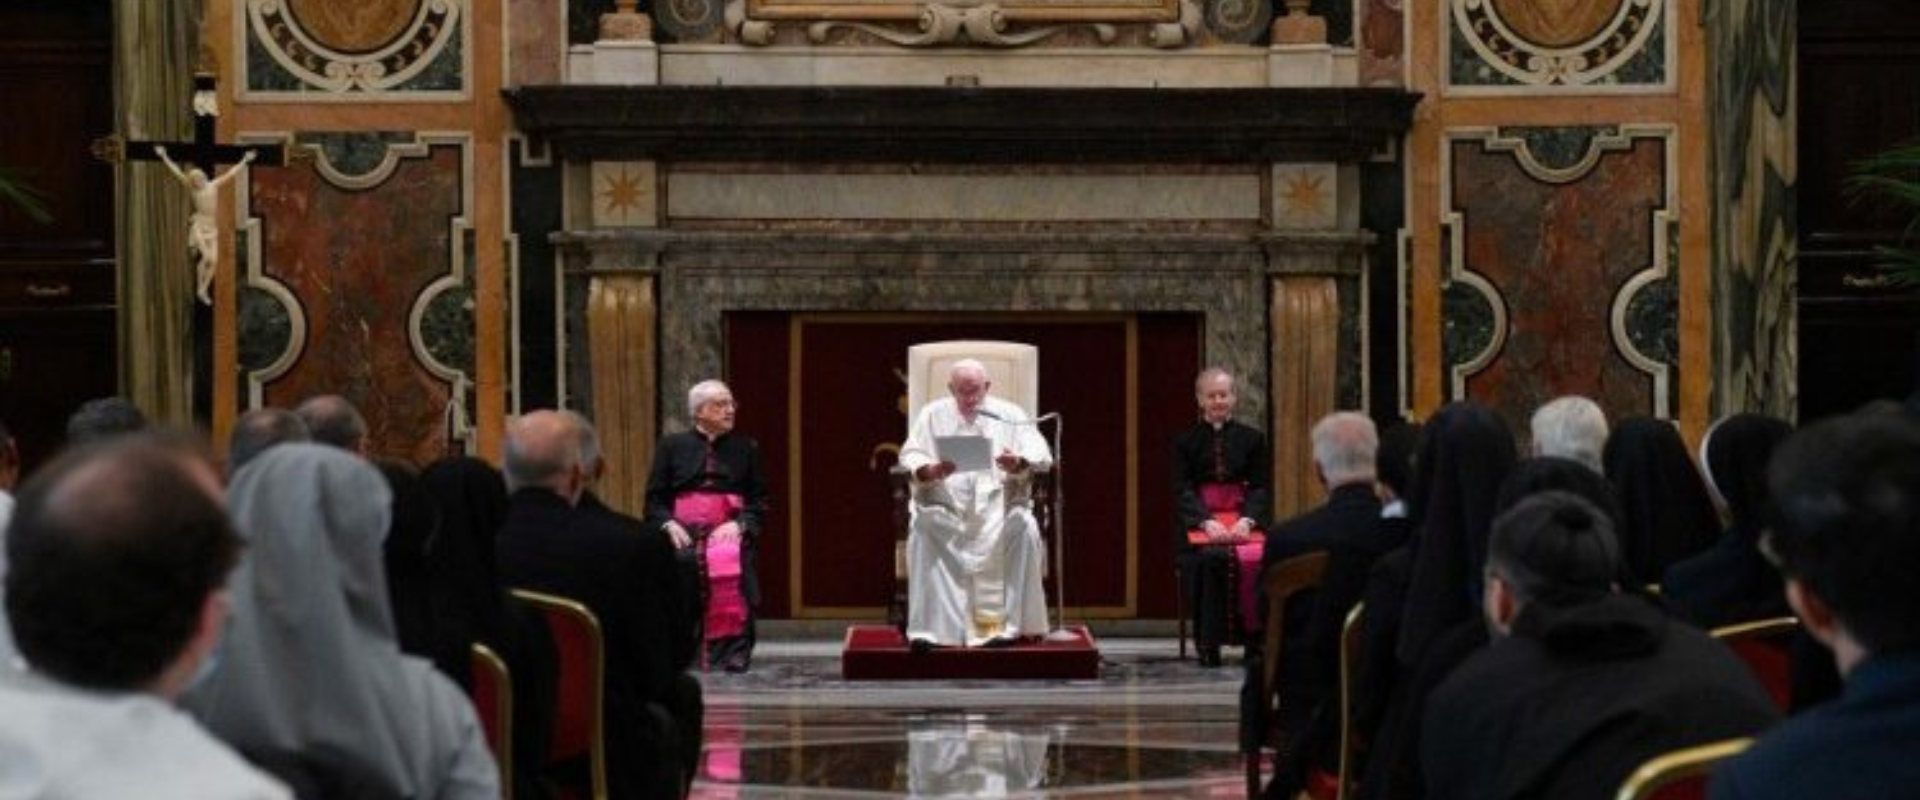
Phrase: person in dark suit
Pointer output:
(1846, 532)
(1220, 467)
(1732, 582)
(625, 578)
(1348, 526)
(1582, 682)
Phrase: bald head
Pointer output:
(1344, 445)
(114, 551)
(544, 451)
(332, 420)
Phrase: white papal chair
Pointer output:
(1014, 370)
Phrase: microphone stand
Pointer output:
(1059, 632)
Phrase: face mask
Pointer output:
(209, 663)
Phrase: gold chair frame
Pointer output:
(554, 606)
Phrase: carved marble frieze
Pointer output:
(992, 23)
(1531, 46)
(321, 49)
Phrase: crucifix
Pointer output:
(196, 164)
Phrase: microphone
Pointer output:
(1051, 415)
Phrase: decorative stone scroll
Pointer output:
(1000, 23)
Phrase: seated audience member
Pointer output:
(118, 555)
(1582, 683)
(1732, 582)
(259, 429)
(1429, 596)
(625, 577)
(1846, 531)
(1220, 467)
(313, 686)
(707, 492)
(468, 605)
(1349, 527)
(332, 420)
(1570, 427)
(104, 418)
(1668, 516)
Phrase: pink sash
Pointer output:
(726, 612)
(1224, 500)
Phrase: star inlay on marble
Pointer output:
(1304, 193)
(623, 192)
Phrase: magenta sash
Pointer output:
(1223, 496)
(1225, 500)
(726, 612)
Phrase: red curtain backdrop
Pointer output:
(849, 409)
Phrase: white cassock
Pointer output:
(975, 761)
(974, 557)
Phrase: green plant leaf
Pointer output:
(17, 192)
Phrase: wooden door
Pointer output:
(1859, 94)
(56, 277)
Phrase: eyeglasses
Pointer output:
(1771, 552)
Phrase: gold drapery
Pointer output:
(156, 43)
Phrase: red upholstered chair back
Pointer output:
(578, 730)
(492, 690)
(1282, 582)
(1681, 774)
(1765, 645)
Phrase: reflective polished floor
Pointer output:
(1151, 727)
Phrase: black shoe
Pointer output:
(920, 647)
(1210, 657)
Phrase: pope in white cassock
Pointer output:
(974, 552)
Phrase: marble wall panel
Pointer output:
(1556, 255)
(536, 41)
(356, 280)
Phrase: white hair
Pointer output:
(969, 366)
(1344, 445)
(1209, 374)
(703, 393)
(586, 435)
(1571, 427)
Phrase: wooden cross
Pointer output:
(202, 151)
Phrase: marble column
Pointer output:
(621, 345)
(1315, 351)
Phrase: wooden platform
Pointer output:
(880, 653)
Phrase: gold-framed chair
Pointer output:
(1766, 646)
(579, 726)
(1350, 641)
(1681, 774)
(1282, 583)
(492, 690)
(1014, 370)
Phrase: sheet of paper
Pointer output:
(968, 453)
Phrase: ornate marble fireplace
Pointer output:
(1236, 204)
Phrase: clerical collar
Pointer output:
(1217, 426)
(1394, 509)
(705, 434)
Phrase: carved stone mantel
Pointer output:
(962, 124)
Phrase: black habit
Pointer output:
(1577, 698)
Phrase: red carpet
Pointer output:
(879, 653)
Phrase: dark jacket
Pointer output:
(1860, 746)
(1577, 698)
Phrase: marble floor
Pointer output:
(1152, 726)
